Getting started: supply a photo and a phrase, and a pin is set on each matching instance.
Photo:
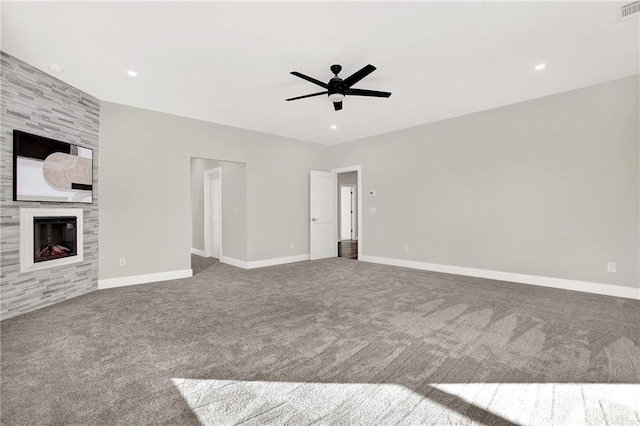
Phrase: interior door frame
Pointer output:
(359, 194)
(208, 174)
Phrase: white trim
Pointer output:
(233, 262)
(277, 261)
(142, 279)
(360, 224)
(584, 286)
(263, 263)
(207, 208)
(198, 252)
(27, 216)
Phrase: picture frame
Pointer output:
(49, 170)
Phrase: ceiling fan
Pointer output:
(338, 88)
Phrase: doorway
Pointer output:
(213, 212)
(323, 223)
(218, 213)
(348, 218)
(326, 237)
(348, 214)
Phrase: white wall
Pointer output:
(234, 206)
(145, 163)
(548, 187)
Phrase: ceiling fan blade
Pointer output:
(357, 76)
(310, 79)
(337, 106)
(364, 92)
(307, 96)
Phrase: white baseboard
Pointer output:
(276, 261)
(142, 279)
(584, 286)
(233, 262)
(262, 263)
(198, 252)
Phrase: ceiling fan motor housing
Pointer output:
(334, 86)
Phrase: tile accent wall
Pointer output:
(35, 102)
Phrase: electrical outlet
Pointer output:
(291, 245)
(123, 261)
(611, 266)
(236, 247)
(236, 210)
(406, 248)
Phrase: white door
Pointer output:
(323, 226)
(215, 226)
(213, 212)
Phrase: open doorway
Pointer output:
(325, 237)
(218, 213)
(348, 214)
(348, 205)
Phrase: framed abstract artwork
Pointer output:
(49, 170)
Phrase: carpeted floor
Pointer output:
(324, 342)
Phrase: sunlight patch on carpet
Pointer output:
(222, 402)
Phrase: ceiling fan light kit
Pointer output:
(336, 97)
(337, 88)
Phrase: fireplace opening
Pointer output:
(54, 237)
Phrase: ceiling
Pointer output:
(229, 62)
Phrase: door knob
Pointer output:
(315, 218)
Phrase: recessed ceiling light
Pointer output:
(540, 67)
(56, 68)
(333, 127)
(132, 73)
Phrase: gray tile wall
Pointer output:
(35, 102)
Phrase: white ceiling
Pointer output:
(229, 62)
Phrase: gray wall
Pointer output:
(146, 185)
(234, 206)
(198, 166)
(349, 178)
(35, 102)
(548, 187)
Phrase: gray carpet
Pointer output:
(324, 342)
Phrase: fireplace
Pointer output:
(50, 237)
(54, 237)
